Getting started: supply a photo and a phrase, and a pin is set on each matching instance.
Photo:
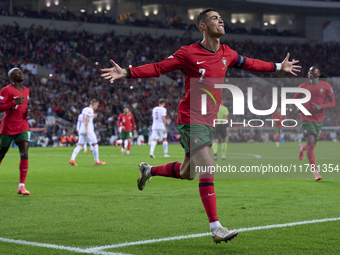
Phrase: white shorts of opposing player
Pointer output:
(159, 135)
(90, 138)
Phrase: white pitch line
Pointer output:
(59, 247)
(208, 234)
(253, 155)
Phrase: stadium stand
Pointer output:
(74, 60)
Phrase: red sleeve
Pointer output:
(172, 63)
(3, 96)
(119, 122)
(133, 123)
(329, 91)
(330, 104)
(250, 64)
(299, 95)
(5, 107)
(330, 96)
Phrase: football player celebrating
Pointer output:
(14, 125)
(312, 124)
(202, 60)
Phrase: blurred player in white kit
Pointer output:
(87, 134)
(80, 120)
(159, 132)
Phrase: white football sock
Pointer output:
(76, 151)
(165, 147)
(85, 147)
(126, 142)
(148, 172)
(152, 147)
(91, 147)
(21, 184)
(96, 153)
(214, 225)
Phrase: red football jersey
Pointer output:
(196, 61)
(126, 121)
(319, 94)
(278, 122)
(15, 120)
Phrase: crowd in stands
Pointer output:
(75, 59)
(171, 21)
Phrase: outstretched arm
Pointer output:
(113, 73)
(256, 65)
(172, 63)
(290, 66)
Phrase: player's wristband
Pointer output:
(278, 66)
(128, 73)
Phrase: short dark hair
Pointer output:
(93, 101)
(317, 66)
(202, 15)
(161, 101)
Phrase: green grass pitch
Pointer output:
(89, 206)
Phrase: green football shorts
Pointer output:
(311, 128)
(6, 140)
(195, 137)
(277, 129)
(125, 134)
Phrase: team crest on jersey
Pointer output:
(321, 91)
(224, 61)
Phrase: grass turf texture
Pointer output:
(88, 205)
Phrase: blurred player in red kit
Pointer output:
(203, 61)
(321, 91)
(277, 125)
(126, 124)
(14, 125)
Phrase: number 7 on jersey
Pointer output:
(202, 70)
